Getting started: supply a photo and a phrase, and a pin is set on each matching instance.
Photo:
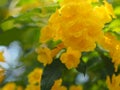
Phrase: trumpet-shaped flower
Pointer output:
(57, 85)
(11, 86)
(35, 76)
(34, 79)
(71, 58)
(44, 55)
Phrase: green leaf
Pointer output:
(69, 77)
(117, 10)
(24, 2)
(7, 25)
(51, 73)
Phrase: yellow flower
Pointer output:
(109, 9)
(73, 87)
(46, 34)
(105, 12)
(113, 84)
(35, 76)
(57, 85)
(44, 55)
(1, 57)
(9, 86)
(19, 88)
(12, 86)
(76, 21)
(77, 24)
(110, 43)
(32, 87)
(34, 79)
(71, 58)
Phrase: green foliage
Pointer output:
(51, 73)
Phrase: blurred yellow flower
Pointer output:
(114, 83)
(78, 21)
(109, 9)
(2, 74)
(57, 85)
(35, 76)
(34, 79)
(44, 55)
(1, 57)
(71, 58)
(73, 87)
(32, 87)
(11, 86)
(111, 43)
(46, 34)
(77, 24)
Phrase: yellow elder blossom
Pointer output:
(11, 86)
(77, 24)
(44, 55)
(113, 46)
(34, 79)
(73, 87)
(76, 21)
(113, 84)
(71, 58)
(32, 87)
(35, 76)
(57, 85)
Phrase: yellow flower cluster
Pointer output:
(57, 86)
(78, 24)
(113, 84)
(111, 43)
(11, 86)
(34, 79)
